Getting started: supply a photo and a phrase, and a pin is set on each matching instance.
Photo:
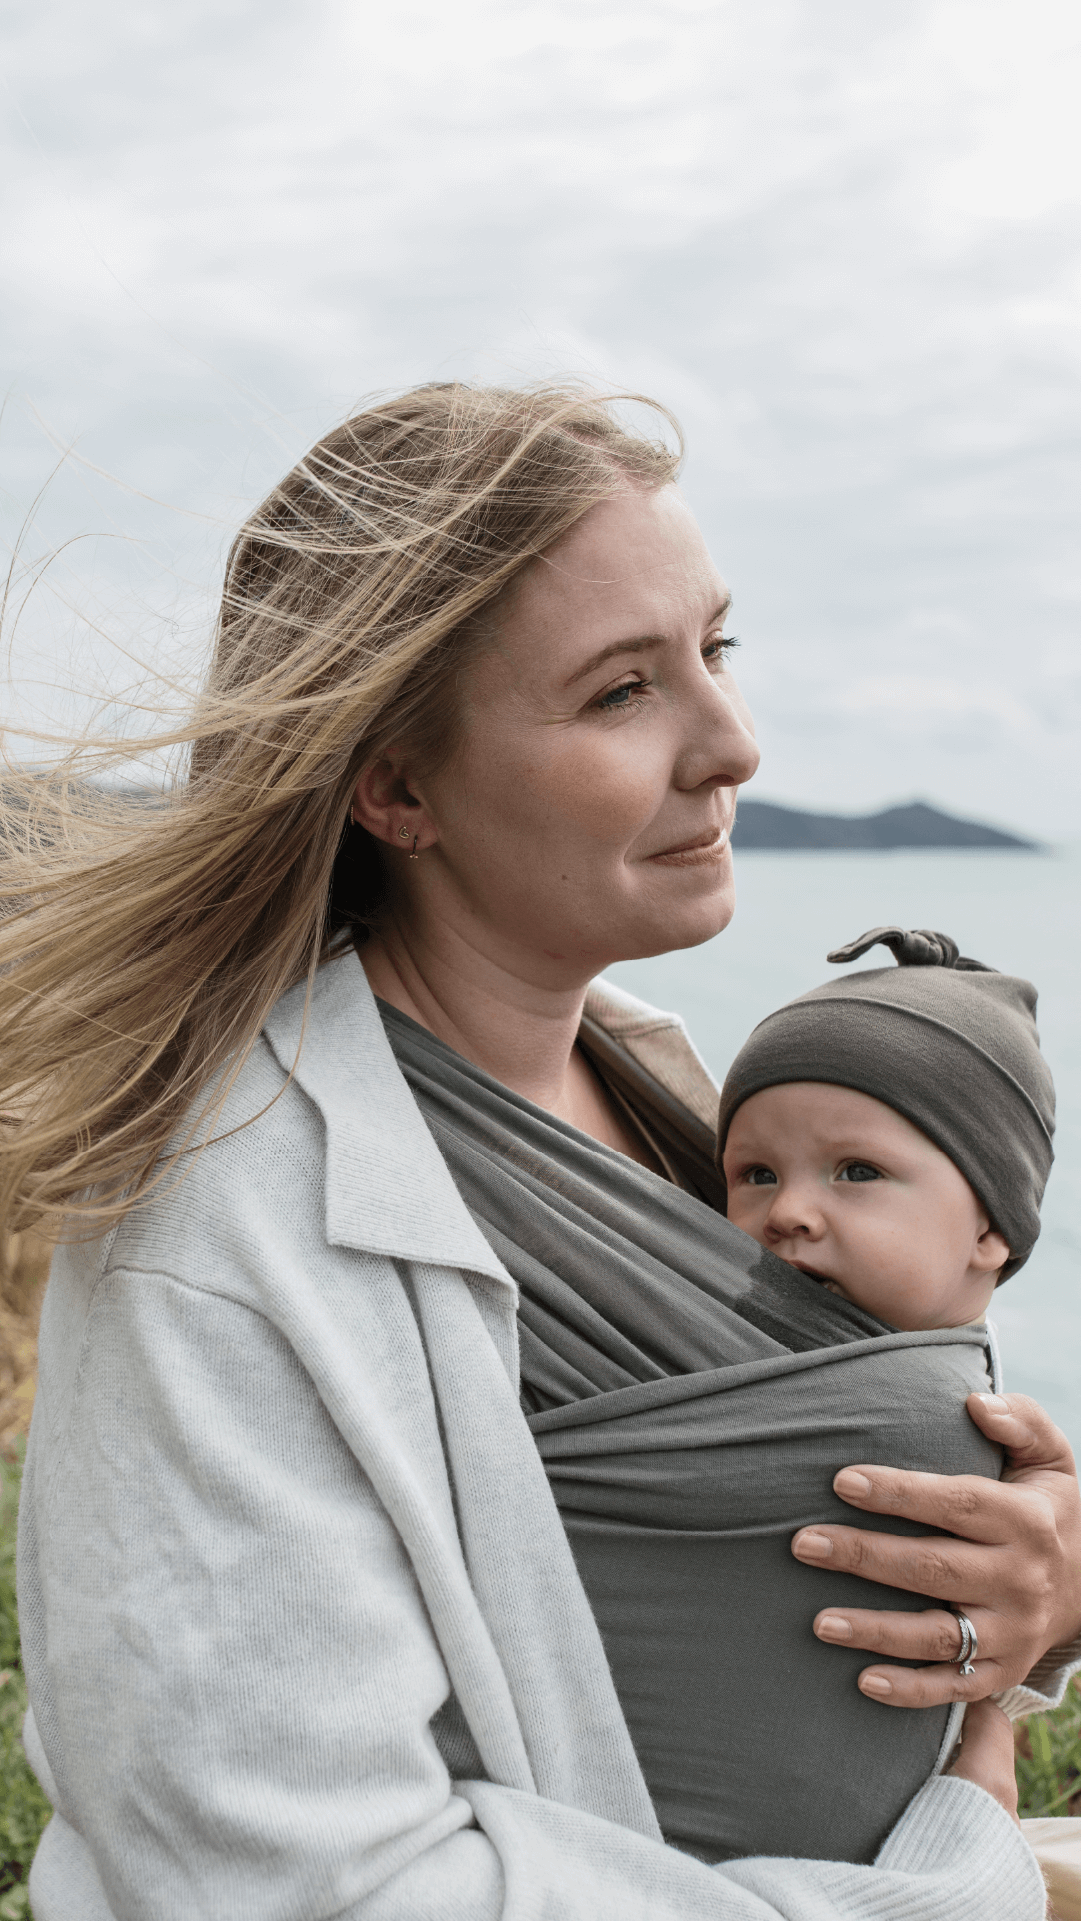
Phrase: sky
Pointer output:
(840, 240)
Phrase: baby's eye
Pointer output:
(859, 1171)
(760, 1177)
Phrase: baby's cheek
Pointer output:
(741, 1212)
(904, 1294)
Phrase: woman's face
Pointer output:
(585, 817)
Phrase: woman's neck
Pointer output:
(521, 1032)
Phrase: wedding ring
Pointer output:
(969, 1643)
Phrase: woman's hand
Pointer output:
(986, 1754)
(1014, 1568)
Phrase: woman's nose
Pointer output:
(720, 745)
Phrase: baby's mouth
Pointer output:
(812, 1273)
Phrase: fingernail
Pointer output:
(849, 1482)
(812, 1547)
(995, 1404)
(834, 1627)
(875, 1684)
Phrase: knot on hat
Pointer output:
(910, 947)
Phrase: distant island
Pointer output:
(762, 824)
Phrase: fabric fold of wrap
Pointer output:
(692, 1398)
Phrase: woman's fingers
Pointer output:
(930, 1687)
(1008, 1556)
(1028, 1526)
(933, 1635)
(1039, 1462)
(987, 1754)
(1020, 1424)
(1005, 1592)
(968, 1505)
(921, 1564)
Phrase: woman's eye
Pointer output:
(860, 1171)
(761, 1177)
(718, 645)
(621, 696)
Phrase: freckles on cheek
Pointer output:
(611, 803)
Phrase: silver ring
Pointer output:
(969, 1643)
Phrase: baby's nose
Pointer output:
(795, 1213)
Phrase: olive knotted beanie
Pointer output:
(949, 1043)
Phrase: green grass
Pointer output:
(1048, 1745)
(1049, 1759)
(23, 1808)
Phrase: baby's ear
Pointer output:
(990, 1252)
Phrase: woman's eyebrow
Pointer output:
(614, 647)
(637, 645)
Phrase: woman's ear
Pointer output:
(384, 805)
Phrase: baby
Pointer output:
(889, 1133)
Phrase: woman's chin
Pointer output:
(680, 924)
(699, 917)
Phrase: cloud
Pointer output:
(842, 241)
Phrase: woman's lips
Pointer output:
(704, 851)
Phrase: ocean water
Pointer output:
(1017, 912)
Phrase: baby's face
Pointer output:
(846, 1189)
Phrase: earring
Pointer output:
(403, 833)
(414, 855)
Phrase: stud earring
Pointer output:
(403, 833)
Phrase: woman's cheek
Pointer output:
(611, 792)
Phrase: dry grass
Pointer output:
(20, 1306)
(23, 1807)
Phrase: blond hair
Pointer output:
(143, 945)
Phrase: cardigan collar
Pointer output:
(388, 1188)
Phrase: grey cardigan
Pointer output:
(302, 1630)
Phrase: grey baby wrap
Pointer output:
(692, 1397)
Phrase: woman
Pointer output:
(302, 1627)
